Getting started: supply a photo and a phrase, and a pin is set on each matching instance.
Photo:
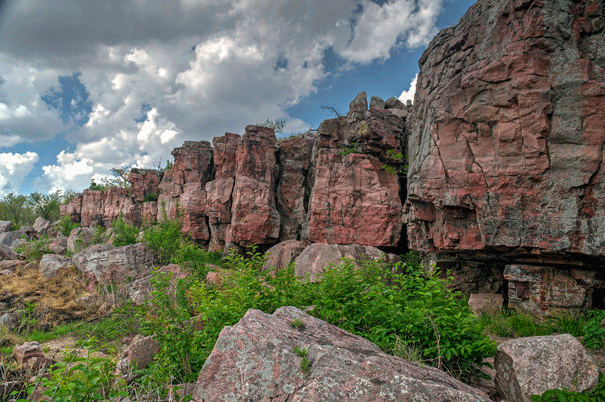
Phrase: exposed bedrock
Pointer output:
(506, 145)
(342, 185)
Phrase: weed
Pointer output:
(35, 249)
(305, 365)
(300, 351)
(352, 149)
(296, 323)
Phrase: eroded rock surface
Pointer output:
(255, 360)
(506, 146)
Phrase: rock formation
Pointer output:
(506, 141)
(256, 360)
(343, 185)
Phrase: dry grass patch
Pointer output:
(55, 300)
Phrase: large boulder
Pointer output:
(42, 227)
(506, 145)
(104, 263)
(51, 264)
(528, 366)
(256, 360)
(80, 238)
(314, 259)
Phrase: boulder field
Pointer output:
(495, 172)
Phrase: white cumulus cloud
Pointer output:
(409, 94)
(13, 170)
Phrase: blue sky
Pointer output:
(87, 86)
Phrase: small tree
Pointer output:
(15, 208)
(276, 125)
(46, 205)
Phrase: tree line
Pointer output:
(22, 210)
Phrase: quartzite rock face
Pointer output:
(293, 189)
(506, 146)
(355, 199)
(255, 361)
(219, 191)
(254, 214)
(342, 185)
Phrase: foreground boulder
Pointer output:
(51, 264)
(528, 366)
(255, 361)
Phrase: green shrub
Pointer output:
(66, 225)
(123, 232)
(164, 238)
(397, 308)
(150, 197)
(90, 378)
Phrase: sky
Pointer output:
(86, 86)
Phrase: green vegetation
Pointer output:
(393, 308)
(305, 364)
(124, 233)
(352, 149)
(513, 324)
(398, 168)
(276, 125)
(556, 395)
(66, 225)
(119, 180)
(35, 249)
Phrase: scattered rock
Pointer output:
(314, 259)
(528, 366)
(137, 355)
(42, 227)
(58, 245)
(7, 254)
(13, 265)
(28, 350)
(283, 254)
(179, 391)
(10, 321)
(376, 103)
(80, 238)
(342, 366)
(51, 264)
(5, 226)
(8, 238)
(21, 242)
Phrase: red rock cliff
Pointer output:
(506, 142)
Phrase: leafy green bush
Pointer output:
(90, 378)
(164, 238)
(123, 232)
(554, 395)
(400, 307)
(66, 225)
